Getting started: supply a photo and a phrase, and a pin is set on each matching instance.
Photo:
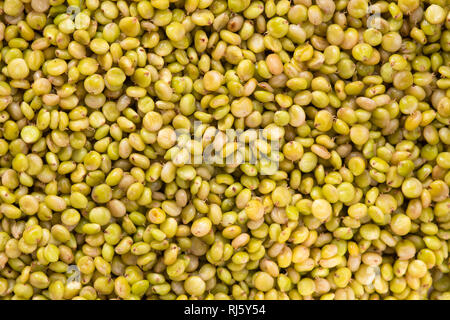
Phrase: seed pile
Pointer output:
(100, 200)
